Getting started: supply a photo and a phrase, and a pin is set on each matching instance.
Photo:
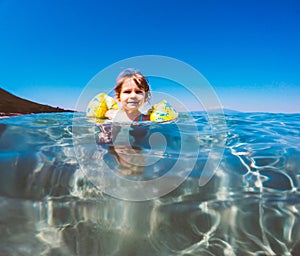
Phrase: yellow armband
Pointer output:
(162, 112)
(99, 105)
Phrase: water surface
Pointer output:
(249, 207)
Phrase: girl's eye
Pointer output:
(137, 92)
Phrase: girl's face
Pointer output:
(131, 96)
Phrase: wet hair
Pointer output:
(136, 77)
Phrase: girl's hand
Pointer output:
(110, 114)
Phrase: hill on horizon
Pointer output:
(11, 105)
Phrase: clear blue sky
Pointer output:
(247, 49)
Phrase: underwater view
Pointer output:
(59, 194)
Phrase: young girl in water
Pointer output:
(132, 91)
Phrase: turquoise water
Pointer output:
(51, 203)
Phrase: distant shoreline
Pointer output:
(6, 115)
(11, 105)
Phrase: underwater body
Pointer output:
(52, 203)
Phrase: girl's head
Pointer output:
(132, 76)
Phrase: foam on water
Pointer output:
(249, 207)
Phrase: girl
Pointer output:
(132, 91)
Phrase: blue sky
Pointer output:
(247, 49)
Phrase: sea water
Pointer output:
(51, 203)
